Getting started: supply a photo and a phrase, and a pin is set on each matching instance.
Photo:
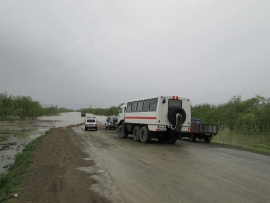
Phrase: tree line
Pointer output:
(251, 116)
(21, 107)
(248, 117)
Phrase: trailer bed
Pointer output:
(204, 128)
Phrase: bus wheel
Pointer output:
(171, 138)
(136, 133)
(145, 134)
(121, 132)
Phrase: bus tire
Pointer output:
(121, 132)
(145, 136)
(136, 133)
(171, 138)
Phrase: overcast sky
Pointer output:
(105, 52)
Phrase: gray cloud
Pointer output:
(101, 53)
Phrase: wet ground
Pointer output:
(20, 133)
(73, 165)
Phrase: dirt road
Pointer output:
(71, 165)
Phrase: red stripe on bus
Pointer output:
(141, 117)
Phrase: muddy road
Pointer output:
(73, 165)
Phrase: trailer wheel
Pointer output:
(172, 114)
(136, 133)
(171, 138)
(207, 140)
(145, 135)
(192, 137)
(121, 132)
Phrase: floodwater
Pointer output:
(29, 131)
(72, 118)
(243, 140)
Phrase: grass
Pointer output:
(259, 142)
(20, 130)
(4, 134)
(10, 183)
(262, 146)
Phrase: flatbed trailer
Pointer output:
(201, 131)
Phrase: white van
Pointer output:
(90, 123)
(161, 117)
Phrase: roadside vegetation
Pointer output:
(241, 123)
(14, 110)
(23, 107)
(247, 117)
(11, 183)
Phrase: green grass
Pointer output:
(10, 183)
(262, 146)
(258, 142)
(4, 134)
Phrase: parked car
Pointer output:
(83, 114)
(111, 122)
(90, 123)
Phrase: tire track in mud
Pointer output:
(183, 172)
(91, 143)
(98, 145)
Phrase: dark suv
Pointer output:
(111, 122)
(83, 114)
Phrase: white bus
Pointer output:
(161, 117)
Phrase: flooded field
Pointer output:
(261, 141)
(16, 134)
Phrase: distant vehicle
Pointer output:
(90, 123)
(111, 122)
(83, 114)
(200, 131)
(161, 117)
